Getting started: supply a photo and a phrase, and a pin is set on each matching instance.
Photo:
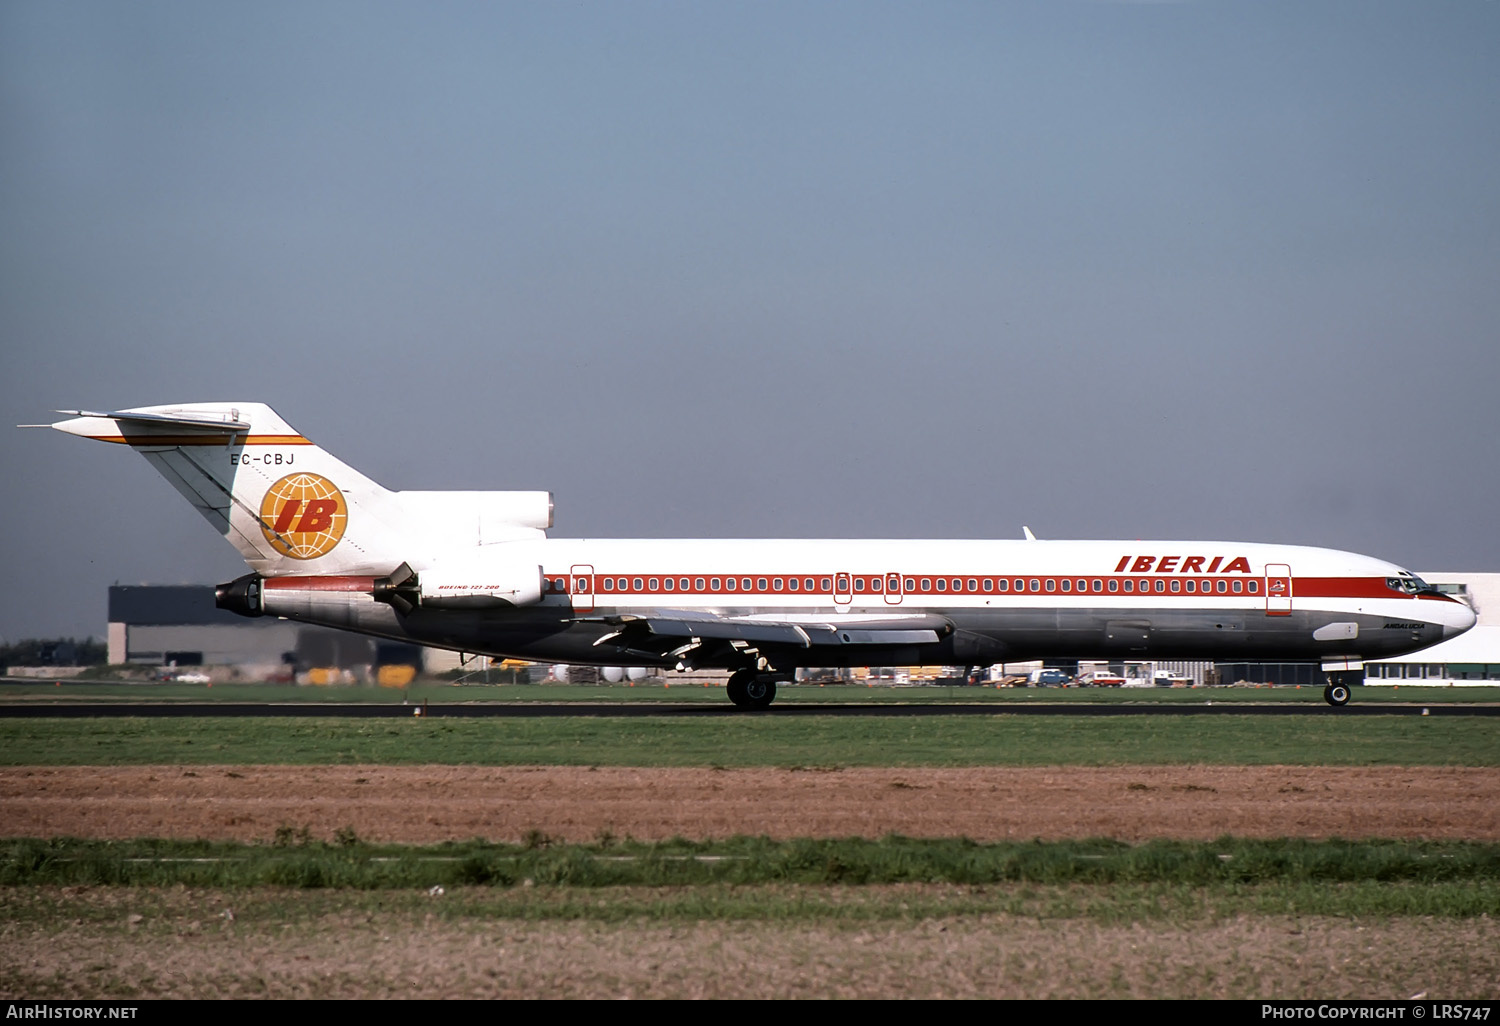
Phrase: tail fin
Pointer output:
(285, 504)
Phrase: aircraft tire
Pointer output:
(1336, 695)
(738, 687)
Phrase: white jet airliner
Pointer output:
(475, 572)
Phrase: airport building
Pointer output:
(178, 627)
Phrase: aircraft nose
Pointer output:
(1460, 619)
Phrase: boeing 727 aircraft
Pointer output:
(475, 572)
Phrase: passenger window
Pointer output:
(1220, 587)
(1254, 587)
(745, 584)
(927, 584)
(653, 583)
(1161, 585)
(682, 584)
(714, 585)
(1051, 584)
(1114, 585)
(760, 583)
(698, 583)
(1098, 584)
(1036, 585)
(635, 584)
(1176, 586)
(729, 584)
(989, 584)
(1067, 585)
(1238, 587)
(807, 584)
(1129, 585)
(777, 584)
(973, 584)
(792, 584)
(827, 584)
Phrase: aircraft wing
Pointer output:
(682, 630)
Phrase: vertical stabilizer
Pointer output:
(284, 503)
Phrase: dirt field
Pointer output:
(130, 942)
(437, 803)
(123, 943)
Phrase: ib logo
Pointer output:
(303, 516)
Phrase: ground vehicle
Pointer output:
(475, 572)
(1100, 679)
(1048, 679)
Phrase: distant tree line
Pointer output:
(53, 652)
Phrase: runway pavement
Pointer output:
(33, 710)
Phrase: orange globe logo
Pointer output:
(303, 516)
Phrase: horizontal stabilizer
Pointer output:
(227, 423)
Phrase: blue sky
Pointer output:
(1186, 270)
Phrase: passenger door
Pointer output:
(1278, 589)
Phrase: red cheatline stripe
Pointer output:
(360, 584)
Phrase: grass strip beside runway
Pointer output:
(1333, 877)
(938, 741)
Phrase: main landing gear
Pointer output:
(751, 690)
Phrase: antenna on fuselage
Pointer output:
(1027, 532)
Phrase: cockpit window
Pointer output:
(1409, 584)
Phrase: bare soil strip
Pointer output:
(427, 804)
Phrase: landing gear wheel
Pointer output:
(1336, 694)
(738, 682)
(760, 692)
(750, 690)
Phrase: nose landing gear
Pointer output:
(1337, 692)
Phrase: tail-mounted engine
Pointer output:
(483, 585)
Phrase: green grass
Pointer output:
(729, 740)
(1454, 879)
(678, 693)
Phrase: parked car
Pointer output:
(1048, 679)
(1100, 679)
